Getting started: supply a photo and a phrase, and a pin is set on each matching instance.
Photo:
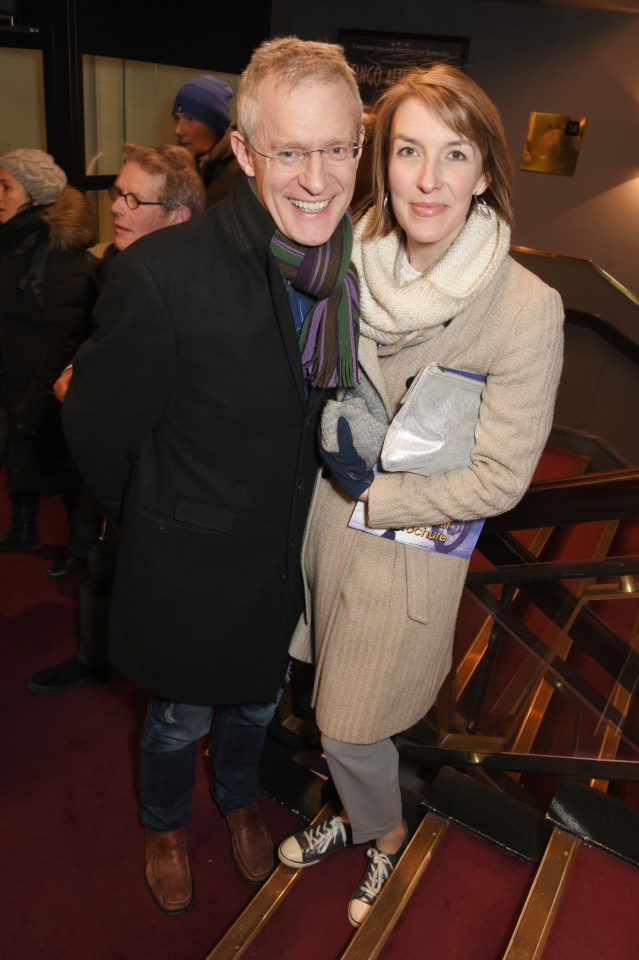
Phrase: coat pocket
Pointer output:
(193, 514)
(417, 585)
(205, 515)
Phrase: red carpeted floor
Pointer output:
(72, 880)
(313, 923)
(466, 903)
(73, 853)
(599, 912)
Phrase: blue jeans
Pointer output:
(169, 748)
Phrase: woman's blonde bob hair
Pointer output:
(463, 106)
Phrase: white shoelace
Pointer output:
(322, 835)
(379, 870)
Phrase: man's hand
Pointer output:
(61, 385)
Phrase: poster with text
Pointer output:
(380, 59)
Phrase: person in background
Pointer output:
(363, 183)
(46, 299)
(437, 287)
(223, 337)
(156, 187)
(202, 125)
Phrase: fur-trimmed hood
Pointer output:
(69, 221)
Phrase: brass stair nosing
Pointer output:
(369, 940)
(266, 901)
(542, 903)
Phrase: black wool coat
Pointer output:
(187, 416)
(38, 337)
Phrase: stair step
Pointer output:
(583, 903)
(251, 924)
(465, 905)
(597, 819)
(599, 912)
(559, 462)
(499, 817)
(542, 903)
(369, 941)
(572, 883)
(279, 911)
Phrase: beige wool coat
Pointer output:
(380, 616)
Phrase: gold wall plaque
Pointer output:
(553, 143)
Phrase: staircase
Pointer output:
(542, 698)
(529, 852)
(485, 877)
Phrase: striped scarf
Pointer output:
(330, 332)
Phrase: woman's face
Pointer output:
(13, 196)
(433, 174)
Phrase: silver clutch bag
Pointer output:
(434, 429)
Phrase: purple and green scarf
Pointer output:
(330, 332)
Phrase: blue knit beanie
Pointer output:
(206, 99)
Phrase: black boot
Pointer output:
(23, 532)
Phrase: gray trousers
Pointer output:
(366, 776)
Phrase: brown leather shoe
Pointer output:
(168, 874)
(251, 844)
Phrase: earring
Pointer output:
(386, 207)
(481, 206)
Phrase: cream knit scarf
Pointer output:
(391, 313)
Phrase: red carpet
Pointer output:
(599, 912)
(73, 853)
(72, 880)
(313, 924)
(465, 904)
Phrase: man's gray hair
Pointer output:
(291, 62)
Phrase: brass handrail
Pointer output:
(609, 495)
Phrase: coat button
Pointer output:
(300, 487)
(293, 545)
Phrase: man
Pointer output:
(194, 412)
(201, 114)
(157, 187)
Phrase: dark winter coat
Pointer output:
(39, 334)
(189, 405)
(218, 169)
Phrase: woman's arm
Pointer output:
(514, 422)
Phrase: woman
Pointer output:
(46, 297)
(437, 286)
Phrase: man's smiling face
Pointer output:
(307, 203)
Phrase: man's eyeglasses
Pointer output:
(131, 200)
(294, 158)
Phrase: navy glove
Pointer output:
(346, 465)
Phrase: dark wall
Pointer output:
(543, 58)
(192, 34)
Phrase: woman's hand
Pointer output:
(346, 465)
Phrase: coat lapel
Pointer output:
(369, 362)
(287, 327)
(253, 228)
